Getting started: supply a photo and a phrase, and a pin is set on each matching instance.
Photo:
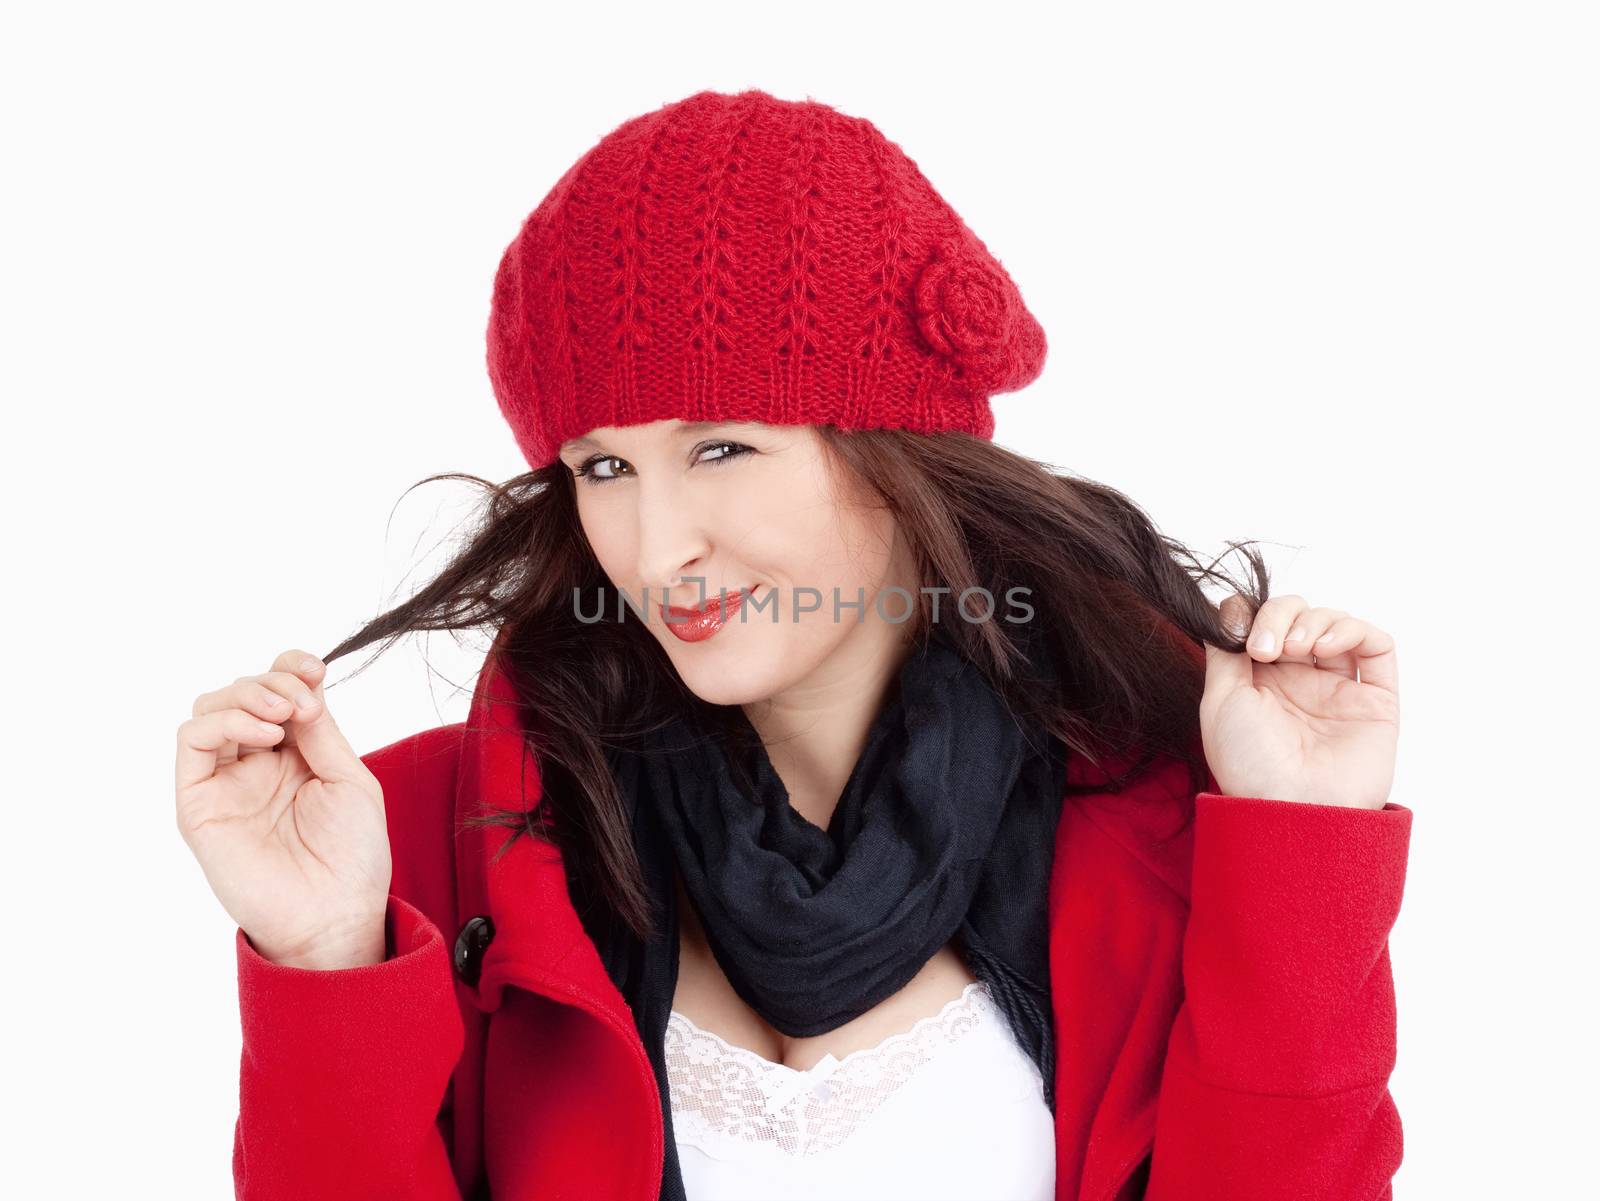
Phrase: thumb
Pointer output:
(323, 745)
(1227, 671)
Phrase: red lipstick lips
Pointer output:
(696, 625)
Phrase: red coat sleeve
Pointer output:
(345, 1075)
(1275, 1082)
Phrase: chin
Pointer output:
(740, 665)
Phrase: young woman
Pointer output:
(848, 806)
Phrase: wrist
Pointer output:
(356, 943)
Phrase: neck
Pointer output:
(815, 731)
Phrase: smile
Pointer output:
(698, 624)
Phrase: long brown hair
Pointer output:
(1113, 597)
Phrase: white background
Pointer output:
(1319, 275)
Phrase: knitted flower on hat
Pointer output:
(970, 311)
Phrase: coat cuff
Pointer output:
(1285, 958)
(343, 1071)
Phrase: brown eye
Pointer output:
(729, 450)
(591, 468)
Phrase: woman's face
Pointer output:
(752, 509)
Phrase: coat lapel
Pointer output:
(539, 943)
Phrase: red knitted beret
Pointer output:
(744, 258)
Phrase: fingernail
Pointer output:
(309, 664)
(1262, 641)
(307, 703)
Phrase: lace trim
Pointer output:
(723, 1094)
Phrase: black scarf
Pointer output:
(945, 829)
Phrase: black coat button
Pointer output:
(471, 943)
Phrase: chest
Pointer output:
(705, 997)
(926, 1094)
(554, 1068)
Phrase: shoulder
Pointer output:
(430, 753)
(1150, 818)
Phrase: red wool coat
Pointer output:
(1224, 1009)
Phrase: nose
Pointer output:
(673, 543)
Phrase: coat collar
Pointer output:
(539, 943)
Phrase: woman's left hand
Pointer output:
(1289, 719)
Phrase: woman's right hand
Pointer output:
(286, 821)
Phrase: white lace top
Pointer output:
(951, 1108)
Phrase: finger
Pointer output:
(1306, 629)
(317, 736)
(1235, 614)
(296, 677)
(286, 696)
(1358, 649)
(1272, 622)
(288, 686)
(274, 696)
(200, 738)
(271, 697)
(303, 664)
(262, 699)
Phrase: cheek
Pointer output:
(796, 530)
(866, 543)
(609, 537)
(817, 546)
